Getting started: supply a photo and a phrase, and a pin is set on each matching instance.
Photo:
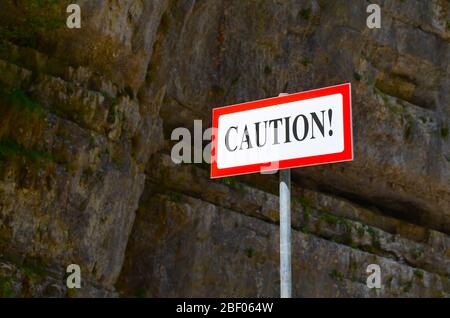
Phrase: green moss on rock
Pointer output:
(11, 148)
(6, 288)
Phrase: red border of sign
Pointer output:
(346, 155)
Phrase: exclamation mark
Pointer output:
(330, 116)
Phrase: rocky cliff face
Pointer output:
(85, 169)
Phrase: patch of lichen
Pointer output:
(99, 52)
(397, 86)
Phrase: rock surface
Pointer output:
(86, 176)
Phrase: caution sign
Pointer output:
(302, 129)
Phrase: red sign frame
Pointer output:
(345, 155)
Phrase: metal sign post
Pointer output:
(285, 234)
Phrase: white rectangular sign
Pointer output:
(296, 130)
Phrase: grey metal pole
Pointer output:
(285, 232)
